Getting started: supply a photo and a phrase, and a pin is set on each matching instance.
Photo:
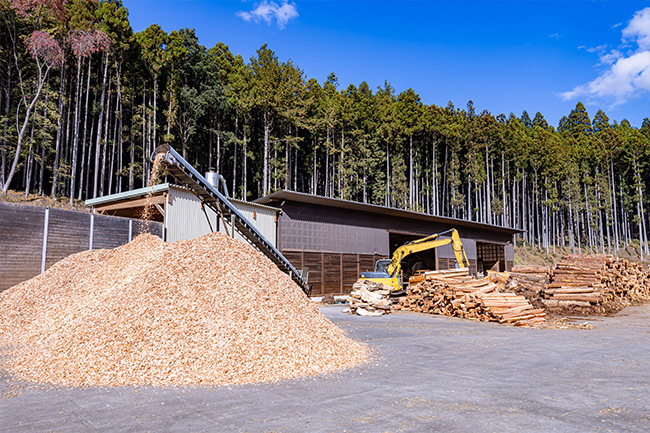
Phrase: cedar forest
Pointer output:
(84, 101)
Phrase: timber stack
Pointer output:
(533, 277)
(598, 283)
(369, 298)
(455, 293)
(530, 281)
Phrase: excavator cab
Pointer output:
(389, 271)
(382, 265)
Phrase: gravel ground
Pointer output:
(429, 373)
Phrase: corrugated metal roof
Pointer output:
(163, 187)
(300, 197)
(127, 194)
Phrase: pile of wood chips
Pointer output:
(369, 298)
(455, 293)
(211, 310)
(596, 284)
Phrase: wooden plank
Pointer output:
(332, 273)
(156, 200)
(314, 262)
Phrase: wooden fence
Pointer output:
(33, 238)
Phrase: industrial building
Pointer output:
(182, 213)
(336, 239)
(330, 241)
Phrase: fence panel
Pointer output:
(33, 238)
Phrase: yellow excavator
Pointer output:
(388, 271)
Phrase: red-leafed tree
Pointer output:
(47, 53)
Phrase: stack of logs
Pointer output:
(532, 277)
(598, 282)
(369, 298)
(455, 293)
(530, 281)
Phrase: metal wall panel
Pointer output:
(186, 220)
(21, 243)
(447, 252)
(306, 212)
(68, 233)
(262, 218)
(326, 237)
(26, 248)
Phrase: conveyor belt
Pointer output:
(187, 176)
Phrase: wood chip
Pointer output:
(212, 310)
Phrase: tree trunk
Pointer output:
(132, 148)
(42, 78)
(98, 140)
(3, 144)
(83, 143)
(75, 135)
(265, 161)
(244, 170)
(105, 141)
(55, 171)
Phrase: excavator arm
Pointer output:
(428, 243)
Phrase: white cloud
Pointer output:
(269, 11)
(628, 71)
(639, 29)
(597, 49)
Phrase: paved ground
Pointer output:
(430, 374)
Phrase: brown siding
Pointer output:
(350, 270)
(332, 269)
(314, 262)
(366, 263)
(341, 270)
(295, 257)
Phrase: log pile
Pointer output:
(625, 282)
(532, 278)
(456, 293)
(369, 298)
(529, 281)
(596, 283)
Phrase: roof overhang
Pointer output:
(276, 198)
(134, 196)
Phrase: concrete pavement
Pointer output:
(428, 374)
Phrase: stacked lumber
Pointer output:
(455, 293)
(598, 282)
(369, 298)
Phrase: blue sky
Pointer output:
(506, 56)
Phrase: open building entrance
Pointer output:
(421, 261)
(490, 256)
